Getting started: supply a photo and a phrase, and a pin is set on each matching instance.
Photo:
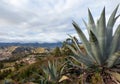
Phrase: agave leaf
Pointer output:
(45, 70)
(118, 47)
(88, 29)
(43, 81)
(112, 59)
(72, 49)
(85, 24)
(91, 23)
(68, 39)
(102, 34)
(62, 69)
(51, 75)
(110, 25)
(94, 47)
(114, 44)
(76, 53)
(117, 62)
(91, 20)
(117, 17)
(54, 69)
(84, 41)
(76, 44)
(50, 71)
(82, 59)
(116, 75)
(63, 78)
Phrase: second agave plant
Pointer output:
(102, 48)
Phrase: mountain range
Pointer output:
(46, 45)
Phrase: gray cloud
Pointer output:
(48, 20)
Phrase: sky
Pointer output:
(48, 20)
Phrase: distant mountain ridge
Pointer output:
(47, 45)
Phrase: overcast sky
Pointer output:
(47, 20)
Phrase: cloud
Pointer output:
(48, 20)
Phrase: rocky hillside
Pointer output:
(20, 51)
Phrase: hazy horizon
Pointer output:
(48, 21)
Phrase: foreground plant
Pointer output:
(52, 73)
(102, 58)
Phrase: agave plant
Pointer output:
(52, 73)
(102, 47)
